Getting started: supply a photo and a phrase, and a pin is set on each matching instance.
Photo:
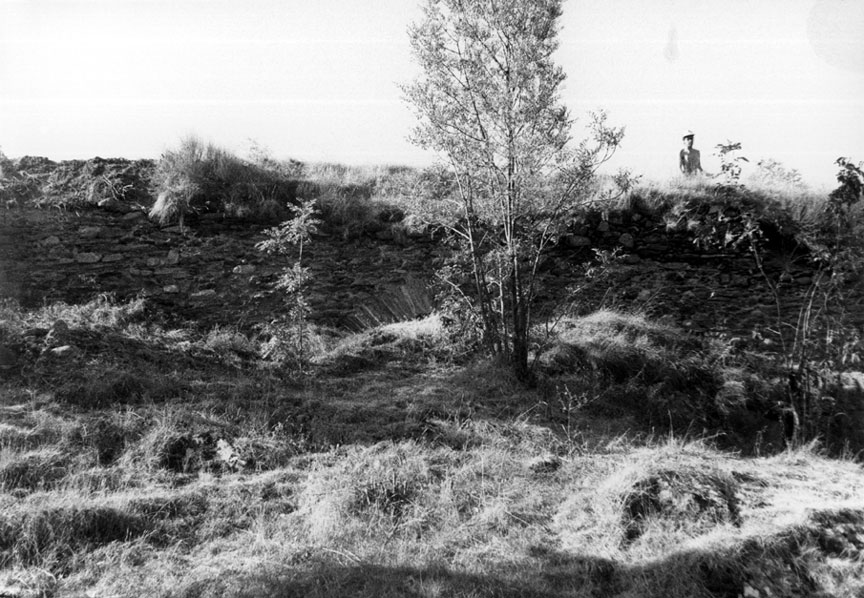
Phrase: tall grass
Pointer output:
(201, 177)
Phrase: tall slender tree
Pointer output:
(488, 102)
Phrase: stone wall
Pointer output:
(210, 273)
(664, 272)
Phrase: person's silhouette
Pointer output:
(689, 159)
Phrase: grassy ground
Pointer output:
(138, 461)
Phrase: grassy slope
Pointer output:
(145, 462)
(149, 462)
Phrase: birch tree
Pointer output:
(488, 103)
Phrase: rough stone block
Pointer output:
(577, 241)
(89, 232)
(205, 294)
(88, 258)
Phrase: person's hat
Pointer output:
(687, 134)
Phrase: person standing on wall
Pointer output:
(689, 159)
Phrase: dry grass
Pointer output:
(200, 177)
(395, 472)
(407, 519)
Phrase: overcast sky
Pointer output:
(318, 80)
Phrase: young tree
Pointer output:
(488, 102)
(290, 236)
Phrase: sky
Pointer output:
(319, 80)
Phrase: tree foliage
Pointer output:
(488, 102)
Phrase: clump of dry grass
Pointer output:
(32, 470)
(57, 537)
(103, 311)
(201, 177)
(421, 340)
(625, 362)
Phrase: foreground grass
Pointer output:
(144, 462)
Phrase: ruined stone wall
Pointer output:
(664, 273)
(209, 273)
(212, 274)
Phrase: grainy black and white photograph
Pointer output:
(431, 298)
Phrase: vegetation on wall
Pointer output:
(199, 177)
